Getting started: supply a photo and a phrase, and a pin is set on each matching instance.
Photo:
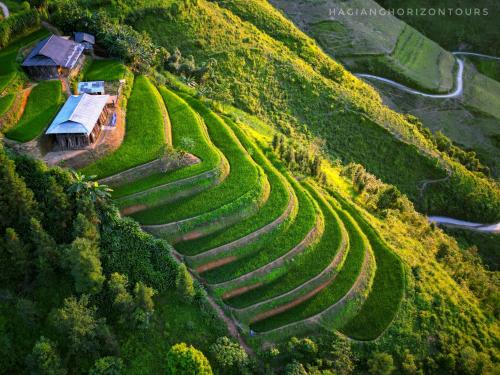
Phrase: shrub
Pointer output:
(186, 360)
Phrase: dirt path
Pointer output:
(341, 255)
(362, 281)
(459, 84)
(230, 323)
(308, 239)
(448, 221)
(65, 86)
(279, 309)
(251, 237)
(5, 10)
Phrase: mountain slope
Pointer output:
(289, 81)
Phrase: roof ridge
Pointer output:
(77, 106)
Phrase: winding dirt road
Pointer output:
(5, 10)
(459, 84)
(487, 228)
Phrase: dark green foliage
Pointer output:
(381, 364)
(126, 249)
(54, 204)
(184, 284)
(107, 366)
(44, 359)
(17, 204)
(121, 41)
(229, 355)
(17, 24)
(121, 298)
(186, 360)
(295, 368)
(78, 328)
(82, 257)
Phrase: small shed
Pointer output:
(79, 122)
(87, 40)
(53, 57)
(91, 87)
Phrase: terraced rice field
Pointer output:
(282, 256)
(145, 136)
(42, 105)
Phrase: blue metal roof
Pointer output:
(78, 115)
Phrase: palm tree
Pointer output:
(85, 185)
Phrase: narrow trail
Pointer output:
(459, 53)
(243, 241)
(301, 246)
(5, 10)
(448, 221)
(230, 323)
(459, 84)
(299, 290)
(458, 81)
(362, 281)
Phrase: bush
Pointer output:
(186, 360)
(229, 355)
(18, 24)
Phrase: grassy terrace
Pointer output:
(6, 79)
(8, 55)
(242, 178)
(382, 304)
(304, 267)
(145, 136)
(276, 204)
(6, 102)
(333, 292)
(105, 70)
(43, 104)
(272, 246)
(188, 134)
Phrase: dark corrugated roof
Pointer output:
(54, 51)
(84, 37)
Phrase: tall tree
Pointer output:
(44, 359)
(184, 283)
(17, 203)
(186, 360)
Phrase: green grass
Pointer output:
(423, 61)
(145, 132)
(293, 84)
(333, 292)
(41, 107)
(272, 209)
(478, 32)
(242, 177)
(304, 266)
(14, 6)
(105, 70)
(6, 102)
(6, 79)
(379, 310)
(272, 246)
(8, 55)
(490, 68)
(173, 320)
(188, 134)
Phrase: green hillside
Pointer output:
(475, 28)
(268, 211)
(373, 43)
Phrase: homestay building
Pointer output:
(53, 57)
(88, 40)
(79, 122)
